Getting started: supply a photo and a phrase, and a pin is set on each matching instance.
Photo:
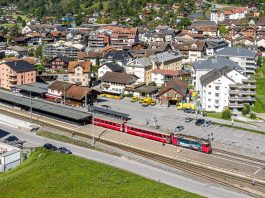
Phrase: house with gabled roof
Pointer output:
(109, 67)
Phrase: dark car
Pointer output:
(64, 150)
(199, 122)
(50, 147)
(11, 138)
(188, 119)
(189, 111)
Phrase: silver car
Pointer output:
(179, 128)
(207, 123)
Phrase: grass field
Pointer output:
(51, 174)
(215, 115)
(260, 90)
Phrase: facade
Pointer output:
(140, 67)
(226, 88)
(57, 89)
(16, 73)
(243, 57)
(169, 60)
(214, 45)
(120, 57)
(62, 48)
(203, 67)
(9, 157)
(109, 67)
(98, 40)
(207, 28)
(160, 76)
(237, 13)
(79, 72)
(123, 36)
(59, 63)
(16, 51)
(172, 92)
(192, 51)
(115, 83)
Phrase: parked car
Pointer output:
(50, 147)
(64, 150)
(142, 100)
(207, 123)
(11, 138)
(153, 103)
(179, 128)
(134, 99)
(200, 122)
(188, 119)
(189, 111)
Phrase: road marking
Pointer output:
(258, 170)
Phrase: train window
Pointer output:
(106, 122)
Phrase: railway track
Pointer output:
(229, 180)
(238, 158)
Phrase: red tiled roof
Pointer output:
(165, 72)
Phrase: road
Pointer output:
(204, 189)
(240, 141)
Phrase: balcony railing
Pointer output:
(242, 99)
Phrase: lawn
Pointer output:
(51, 174)
(260, 89)
(215, 115)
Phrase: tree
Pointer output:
(23, 23)
(226, 114)
(253, 116)
(38, 52)
(14, 31)
(19, 18)
(246, 109)
(184, 23)
(223, 30)
(100, 6)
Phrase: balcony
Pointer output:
(236, 105)
(13, 75)
(246, 99)
(249, 80)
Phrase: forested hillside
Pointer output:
(42, 8)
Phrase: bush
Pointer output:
(246, 109)
(253, 116)
(226, 114)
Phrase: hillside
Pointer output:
(51, 174)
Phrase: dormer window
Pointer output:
(193, 46)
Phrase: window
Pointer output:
(210, 86)
(216, 101)
(217, 94)
(209, 106)
(217, 88)
(209, 93)
(209, 100)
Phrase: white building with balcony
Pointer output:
(245, 58)
(226, 88)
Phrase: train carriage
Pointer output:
(182, 140)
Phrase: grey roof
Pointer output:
(215, 43)
(113, 66)
(234, 51)
(165, 56)
(20, 66)
(216, 63)
(42, 105)
(214, 74)
(36, 87)
(18, 48)
(117, 55)
(197, 16)
(203, 23)
(144, 62)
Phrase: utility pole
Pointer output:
(93, 129)
(30, 106)
(64, 93)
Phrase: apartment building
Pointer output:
(203, 67)
(17, 72)
(245, 58)
(98, 40)
(62, 48)
(140, 67)
(123, 36)
(226, 87)
(79, 72)
(169, 60)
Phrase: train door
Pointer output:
(173, 139)
(123, 127)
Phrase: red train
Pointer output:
(182, 140)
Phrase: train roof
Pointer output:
(107, 111)
(193, 138)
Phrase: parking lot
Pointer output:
(168, 118)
